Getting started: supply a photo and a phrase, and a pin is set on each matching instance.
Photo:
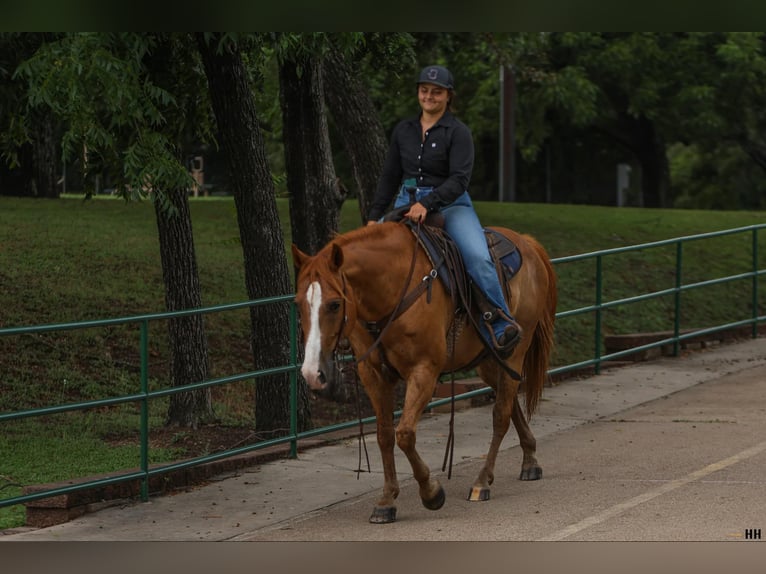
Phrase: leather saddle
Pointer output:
(446, 259)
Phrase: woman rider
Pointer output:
(433, 152)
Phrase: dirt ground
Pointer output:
(212, 438)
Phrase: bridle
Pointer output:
(342, 349)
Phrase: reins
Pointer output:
(404, 302)
(400, 304)
(352, 365)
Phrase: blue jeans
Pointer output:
(463, 226)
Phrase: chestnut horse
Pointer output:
(358, 278)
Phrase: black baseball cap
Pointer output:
(438, 75)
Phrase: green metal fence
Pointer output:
(752, 318)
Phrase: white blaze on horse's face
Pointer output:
(310, 368)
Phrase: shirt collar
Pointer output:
(447, 119)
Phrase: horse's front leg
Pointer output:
(381, 394)
(420, 389)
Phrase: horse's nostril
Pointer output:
(322, 378)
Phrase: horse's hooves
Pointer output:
(534, 473)
(478, 494)
(437, 501)
(383, 515)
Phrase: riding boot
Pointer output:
(505, 333)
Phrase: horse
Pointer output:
(360, 278)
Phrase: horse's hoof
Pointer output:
(534, 473)
(437, 501)
(478, 494)
(383, 515)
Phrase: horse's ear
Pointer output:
(336, 257)
(299, 257)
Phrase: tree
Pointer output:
(29, 140)
(730, 145)
(353, 109)
(129, 101)
(266, 272)
(644, 92)
(586, 101)
(315, 196)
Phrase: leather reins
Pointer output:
(398, 310)
(404, 302)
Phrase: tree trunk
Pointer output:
(640, 137)
(188, 342)
(655, 171)
(44, 157)
(36, 174)
(266, 272)
(315, 196)
(357, 118)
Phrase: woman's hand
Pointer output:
(417, 213)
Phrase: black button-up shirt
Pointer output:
(442, 159)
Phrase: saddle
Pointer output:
(448, 264)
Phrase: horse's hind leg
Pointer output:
(501, 420)
(530, 469)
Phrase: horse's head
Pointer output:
(326, 313)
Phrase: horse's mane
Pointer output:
(319, 266)
(358, 234)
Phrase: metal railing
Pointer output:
(680, 287)
(145, 395)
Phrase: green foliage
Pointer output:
(716, 177)
(136, 102)
(15, 47)
(388, 63)
(129, 102)
(63, 448)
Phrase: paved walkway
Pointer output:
(614, 447)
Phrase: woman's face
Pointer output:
(433, 99)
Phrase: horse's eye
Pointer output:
(333, 306)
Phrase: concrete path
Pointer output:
(673, 449)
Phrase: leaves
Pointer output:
(125, 106)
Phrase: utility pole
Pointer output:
(507, 175)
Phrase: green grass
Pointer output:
(63, 447)
(73, 260)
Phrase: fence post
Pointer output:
(755, 283)
(145, 410)
(293, 381)
(677, 300)
(599, 281)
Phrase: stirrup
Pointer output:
(508, 340)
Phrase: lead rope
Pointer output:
(361, 442)
(449, 450)
(394, 313)
(343, 346)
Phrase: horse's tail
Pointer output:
(538, 355)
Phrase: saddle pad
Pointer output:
(503, 251)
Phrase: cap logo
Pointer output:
(433, 73)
